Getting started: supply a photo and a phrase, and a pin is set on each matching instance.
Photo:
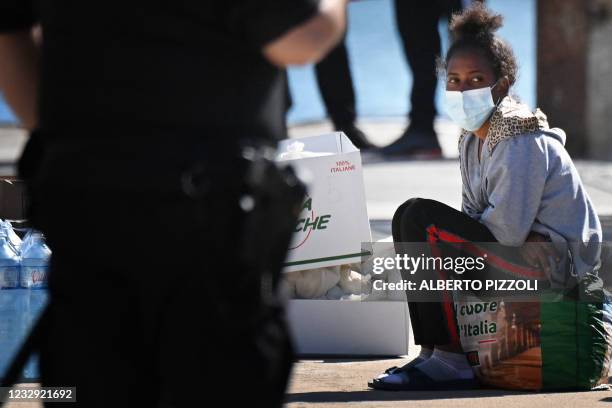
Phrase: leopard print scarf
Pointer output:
(511, 118)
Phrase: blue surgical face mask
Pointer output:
(470, 109)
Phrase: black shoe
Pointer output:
(416, 380)
(356, 136)
(415, 143)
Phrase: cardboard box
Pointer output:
(334, 219)
(349, 328)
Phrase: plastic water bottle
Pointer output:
(26, 240)
(13, 238)
(9, 264)
(36, 300)
(34, 261)
(13, 315)
(13, 310)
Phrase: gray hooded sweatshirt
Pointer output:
(526, 181)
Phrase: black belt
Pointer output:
(155, 164)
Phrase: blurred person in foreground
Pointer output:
(141, 114)
(520, 189)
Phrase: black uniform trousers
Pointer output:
(336, 86)
(150, 303)
(417, 23)
(418, 28)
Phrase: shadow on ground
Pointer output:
(373, 395)
(385, 396)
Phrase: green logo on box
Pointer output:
(309, 222)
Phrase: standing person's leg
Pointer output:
(336, 86)
(99, 335)
(221, 319)
(418, 27)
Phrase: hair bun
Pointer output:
(476, 21)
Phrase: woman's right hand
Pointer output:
(537, 251)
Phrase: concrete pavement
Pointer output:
(338, 383)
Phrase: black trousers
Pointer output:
(417, 23)
(423, 220)
(418, 28)
(335, 83)
(150, 304)
(336, 86)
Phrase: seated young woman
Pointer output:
(520, 189)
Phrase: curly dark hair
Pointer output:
(474, 28)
